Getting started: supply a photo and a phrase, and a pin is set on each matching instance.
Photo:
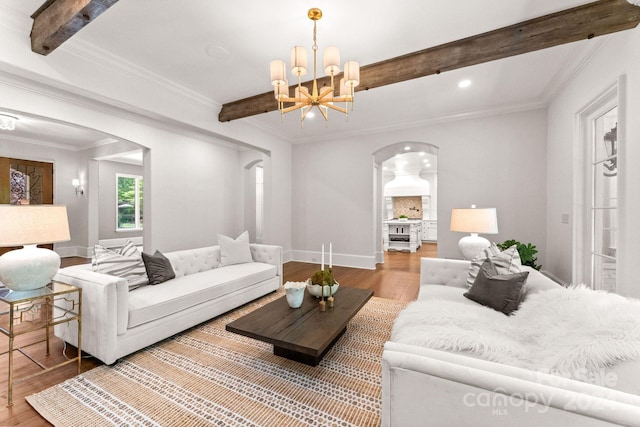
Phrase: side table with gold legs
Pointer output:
(23, 312)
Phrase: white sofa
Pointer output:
(117, 322)
(426, 387)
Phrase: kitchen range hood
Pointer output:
(407, 183)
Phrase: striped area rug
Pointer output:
(208, 376)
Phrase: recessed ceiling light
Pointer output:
(464, 83)
(311, 114)
(422, 153)
(425, 161)
(407, 148)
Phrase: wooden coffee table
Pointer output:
(302, 334)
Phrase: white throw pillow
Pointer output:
(234, 251)
(506, 262)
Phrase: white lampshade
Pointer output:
(278, 72)
(299, 60)
(474, 221)
(29, 225)
(344, 89)
(331, 60)
(351, 73)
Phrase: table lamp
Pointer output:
(474, 221)
(30, 225)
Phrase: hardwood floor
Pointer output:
(398, 278)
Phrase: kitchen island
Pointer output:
(402, 235)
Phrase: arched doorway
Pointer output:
(413, 161)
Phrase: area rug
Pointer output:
(208, 376)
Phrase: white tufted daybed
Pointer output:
(117, 321)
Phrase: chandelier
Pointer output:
(324, 99)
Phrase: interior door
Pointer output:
(25, 182)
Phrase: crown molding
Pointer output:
(104, 59)
(494, 110)
(15, 20)
(573, 66)
(22, 140)
(44, 86)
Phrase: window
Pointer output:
(128, 202)
(604, 170)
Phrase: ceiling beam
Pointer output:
(567, 26)
(56, 21)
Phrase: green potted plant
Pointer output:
(527, 252)
(319, 280)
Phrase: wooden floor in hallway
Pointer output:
(397, 278)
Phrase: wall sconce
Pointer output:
(76, 183)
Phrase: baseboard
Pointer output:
(555, 278)
(74, 251)
(342, 260)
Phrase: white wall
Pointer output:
(174, 123)
(496, 161)
(620, 55)
(193, 177)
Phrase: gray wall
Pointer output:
(496, 161)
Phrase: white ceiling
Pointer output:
(221, 50)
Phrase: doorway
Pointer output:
(25, 182)
(410, 170)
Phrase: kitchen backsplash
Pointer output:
(411, 206)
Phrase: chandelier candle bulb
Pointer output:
(299, 63)
(352, 73)
(331, 61)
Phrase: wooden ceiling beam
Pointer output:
(567, 26)
(56, 21)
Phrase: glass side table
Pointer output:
(23, 312)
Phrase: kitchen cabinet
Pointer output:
(401, 235)
(429, 230)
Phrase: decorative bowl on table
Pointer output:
(316, 290)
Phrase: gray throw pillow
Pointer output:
(498, 291)
(158, 267)
(507, 261)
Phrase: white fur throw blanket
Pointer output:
(574, 332)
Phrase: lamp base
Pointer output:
(28, 268)
(471, 246)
